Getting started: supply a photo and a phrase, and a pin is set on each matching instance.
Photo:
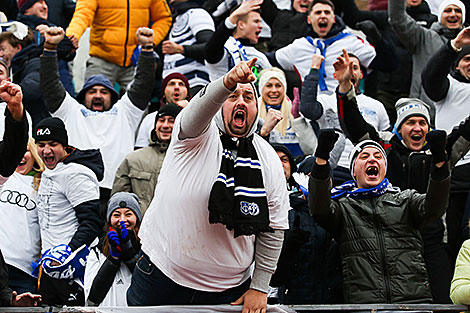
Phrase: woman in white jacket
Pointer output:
(110, 264)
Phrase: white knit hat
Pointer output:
(267, 74)
(445, 3)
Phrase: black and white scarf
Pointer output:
(238, 197)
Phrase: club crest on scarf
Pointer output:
(238, 197)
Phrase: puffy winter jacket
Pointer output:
(114, 24)
(379, 237)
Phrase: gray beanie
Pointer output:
(408, 107)
(124, 200)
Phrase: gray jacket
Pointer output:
(421, 42)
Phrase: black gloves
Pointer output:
(295, 238)
(464, 129)
(370, 30)
(326, 141)
(437, 144)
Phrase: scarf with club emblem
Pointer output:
(238, 198)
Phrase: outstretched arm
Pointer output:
(309, 106)
(406, 28)
(202, 108)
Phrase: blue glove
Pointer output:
(114, 243)
(129, 244)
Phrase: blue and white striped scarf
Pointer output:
(349, 189)
(238, 197)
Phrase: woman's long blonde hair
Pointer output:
(286, 105)
(38, 165)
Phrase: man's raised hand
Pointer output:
(462, 39)
(145, 36)
(343, 72)
(240, 73)
(12, 95)
(52, 35)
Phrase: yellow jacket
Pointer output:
(114, 24)
(460, 286)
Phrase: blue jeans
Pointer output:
(150, 287)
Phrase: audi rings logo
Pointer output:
(17, 198)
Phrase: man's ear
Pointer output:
(308, 20)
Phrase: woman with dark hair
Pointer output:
(110, 264)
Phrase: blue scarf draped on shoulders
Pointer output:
(349, 189)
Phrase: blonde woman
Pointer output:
(275, 107)
(19, 235)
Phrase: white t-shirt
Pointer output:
(234, 53)
(113, 131)
(176, 233)
(3, 107)
(116, 295)
(143, 135)
(183, 32)
(298, 56)
(62, 189)
(372, 111)
(453, 109)
(20, 239)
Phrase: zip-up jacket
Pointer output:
(379, 237)
(114, 24)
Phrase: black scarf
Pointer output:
(244, 212)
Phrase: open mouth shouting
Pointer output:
(323, 26)
(372, 172)
(239, 117)
(97, 104)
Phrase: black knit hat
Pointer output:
(51, 128)
(281, 148)
(168, 109)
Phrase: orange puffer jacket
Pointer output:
(114, 24)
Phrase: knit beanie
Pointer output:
(361, 146)
(168, 109)
(126, 200)
(23, 5)
(267, 74)
(445, 3)
(408, 107)
(175, 75)
(51, 128)
(281, 148)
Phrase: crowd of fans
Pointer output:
(235, 151)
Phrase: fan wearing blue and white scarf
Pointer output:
(373, 165)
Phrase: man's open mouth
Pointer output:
(49, 160)
(239, 118)
(322, 25)
(97, 104)
(372, 171)
(416, 137)
(304, 6)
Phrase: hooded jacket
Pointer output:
(114, 24)
(87, 213)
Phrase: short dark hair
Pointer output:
(243, 18)
(327, 2)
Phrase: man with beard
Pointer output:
(446, 80)
(376, 224)
(220, 204)
(98, 118)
